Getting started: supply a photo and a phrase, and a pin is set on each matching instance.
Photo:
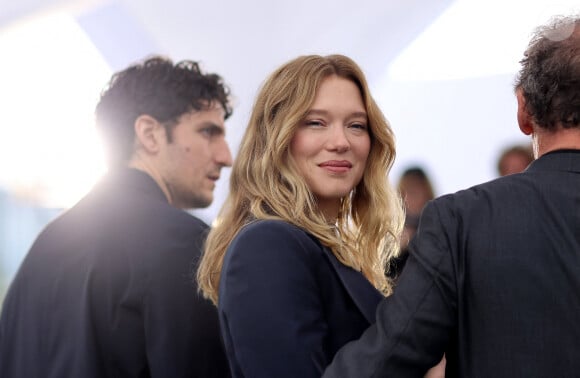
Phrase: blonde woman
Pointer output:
(296, 260)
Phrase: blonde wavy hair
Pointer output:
(265, 183)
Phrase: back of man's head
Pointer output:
(550, 74)
(159, 88)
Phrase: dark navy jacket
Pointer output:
(286, 304)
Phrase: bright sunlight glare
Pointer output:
(51, 78)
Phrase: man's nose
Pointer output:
(223, 155)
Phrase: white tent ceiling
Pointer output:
(453, 127)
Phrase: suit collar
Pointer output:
(134, 179)
(364, 295)
(559, 160)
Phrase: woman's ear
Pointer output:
(525, 120)
(147, 135)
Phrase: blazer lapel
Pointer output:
(364, 295)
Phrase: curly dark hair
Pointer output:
(159, 88)
(550, 74)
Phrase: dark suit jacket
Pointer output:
(286, 304)
(492, 280)
(107, 291)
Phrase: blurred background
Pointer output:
(441, 70)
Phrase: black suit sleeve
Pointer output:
(414, 324)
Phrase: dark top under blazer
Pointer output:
(492, 280)
(107, 291)
(286, 304)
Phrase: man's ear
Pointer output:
(147, 133)
(525, 120)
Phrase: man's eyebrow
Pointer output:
(213, 126)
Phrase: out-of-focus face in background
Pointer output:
(416, 190)
(514, 159)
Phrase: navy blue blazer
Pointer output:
(492, 281)
(107, 290)
(286, 304)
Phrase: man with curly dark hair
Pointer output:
(493, 275)
(107, 289)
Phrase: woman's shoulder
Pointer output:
(270, 251)
(273, 233)
(272, 225)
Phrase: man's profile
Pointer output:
(107, 288)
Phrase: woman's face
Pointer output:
(332, 143)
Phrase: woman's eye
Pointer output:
(360, 126)
(313, 123)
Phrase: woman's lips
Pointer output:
(336, 166)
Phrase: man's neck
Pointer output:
(562, 139)
(147, 167)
